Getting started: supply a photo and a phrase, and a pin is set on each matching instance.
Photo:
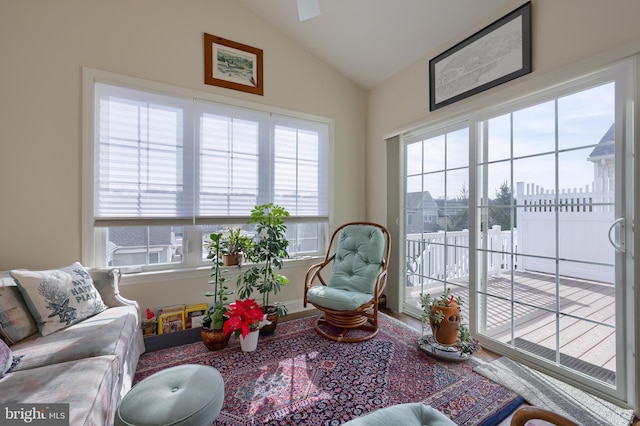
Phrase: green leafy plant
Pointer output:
(445, 300)
(267, 254)
(235, 243)
(215, 316)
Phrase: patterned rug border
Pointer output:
(400, 372)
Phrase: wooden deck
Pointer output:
(583, 327)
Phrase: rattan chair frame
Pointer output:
(523, 414)
(364, 317)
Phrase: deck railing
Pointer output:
(444, 256)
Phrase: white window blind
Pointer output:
(164, 159)
(139, 164)
(230, 160)
(300, 180)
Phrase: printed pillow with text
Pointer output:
(59, 298)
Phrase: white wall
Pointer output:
(44, 45)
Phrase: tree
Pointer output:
(501, 208)
(460, 220)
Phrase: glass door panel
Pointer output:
(436, 218)
(553, 199)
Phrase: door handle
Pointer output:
(620, 246)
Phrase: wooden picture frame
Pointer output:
(232, 65)
(494, 55)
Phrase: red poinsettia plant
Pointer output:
(244, 316)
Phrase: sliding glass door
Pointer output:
(547, 178)
(523, 211)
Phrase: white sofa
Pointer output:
(89, 364)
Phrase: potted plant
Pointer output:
(245, 317)
(212, 325)
(443, 315)
(268, 253)
(234, 246)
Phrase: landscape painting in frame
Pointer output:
(232, 65)
(494, 55)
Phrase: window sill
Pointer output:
(202, 272)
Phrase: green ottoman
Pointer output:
(183, 395)
(409, 414)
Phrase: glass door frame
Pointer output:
(624, 72)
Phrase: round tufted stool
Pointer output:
(183, 395)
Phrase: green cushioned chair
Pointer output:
(358, 258)
(403, 415)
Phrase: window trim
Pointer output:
(92, 237)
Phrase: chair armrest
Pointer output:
(523, 414)
(106, 281)
(313, 273)
(381, 283)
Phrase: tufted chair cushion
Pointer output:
(359, 257)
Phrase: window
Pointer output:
(169, 169)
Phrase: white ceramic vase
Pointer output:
(250, 342)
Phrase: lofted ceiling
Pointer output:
(370, 40)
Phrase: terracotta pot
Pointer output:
(214, 340)
(446, 333)
(272, 315)
(232, 259)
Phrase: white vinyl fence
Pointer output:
(583, 218)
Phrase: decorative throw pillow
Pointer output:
(6, 358)
(59, 298)
(16, 322)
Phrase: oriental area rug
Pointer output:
(297, 377)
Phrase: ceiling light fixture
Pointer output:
(308, 9)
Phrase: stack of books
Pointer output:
(180, 317)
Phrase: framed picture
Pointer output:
(232, 65)
(494, 55)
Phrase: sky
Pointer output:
(583, 118)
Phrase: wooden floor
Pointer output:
(525, 315)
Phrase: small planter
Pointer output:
(250, 342)
(232, 259)
(214, 340)
(446, 332)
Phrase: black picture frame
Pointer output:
(494, 55)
